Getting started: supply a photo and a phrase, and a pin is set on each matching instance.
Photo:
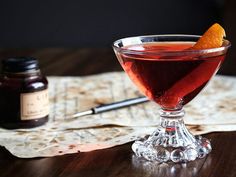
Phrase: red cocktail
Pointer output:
(168, 71)
(166, 79)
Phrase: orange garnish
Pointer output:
(212, 38)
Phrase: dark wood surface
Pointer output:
(118, 161)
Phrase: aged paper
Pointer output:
(212, 110)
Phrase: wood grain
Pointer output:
(70, 62)
(118, 161)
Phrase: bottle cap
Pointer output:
(19, 64)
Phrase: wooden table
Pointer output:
(118, 161)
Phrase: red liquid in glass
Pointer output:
(170, 81)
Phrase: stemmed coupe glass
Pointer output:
(170, 73)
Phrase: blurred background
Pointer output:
(78, 24)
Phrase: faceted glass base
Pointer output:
(172, 142)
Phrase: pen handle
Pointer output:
(120, 104)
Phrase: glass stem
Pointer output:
(172, 114)
(173, 124)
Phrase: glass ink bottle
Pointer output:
(24, 101)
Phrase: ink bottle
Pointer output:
(24, 101)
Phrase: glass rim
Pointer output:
(226, 44)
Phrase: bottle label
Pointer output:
(34, 105)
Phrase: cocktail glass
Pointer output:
(167, 71)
